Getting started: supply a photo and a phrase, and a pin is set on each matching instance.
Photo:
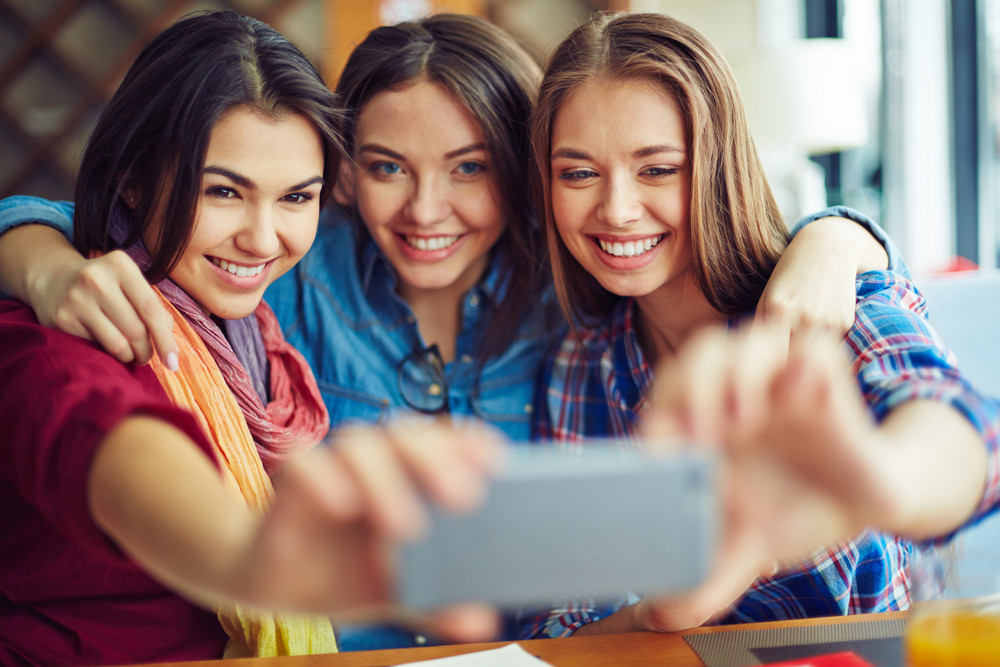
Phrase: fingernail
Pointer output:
(172, 362)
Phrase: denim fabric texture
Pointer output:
(340, 308)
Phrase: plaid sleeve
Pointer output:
(865, 575)
(566, 617)
(898, 358)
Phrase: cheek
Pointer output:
(478, 208)
(302, 238)
(211, 230)
(377, 206)
(566, 212)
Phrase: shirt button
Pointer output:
(474, 300)
(528, 409)
(434, 389)
(419, 640)
(466, 358)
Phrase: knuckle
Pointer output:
(120, 349)
(62, 319)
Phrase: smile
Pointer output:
(629, 248)
(430, 242)
(236, 269)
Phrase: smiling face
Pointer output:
(621, 186)
(424, 189)
(257, 210)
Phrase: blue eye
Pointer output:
(385, 168)
(470, 168)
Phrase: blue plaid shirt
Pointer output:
(596, 386)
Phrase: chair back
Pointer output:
(965, 309)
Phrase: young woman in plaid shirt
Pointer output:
(662, 227)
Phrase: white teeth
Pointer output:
(430, 242)
(629, 248)
(241, 271)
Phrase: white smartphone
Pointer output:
(598, 520)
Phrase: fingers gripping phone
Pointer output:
(595, 520)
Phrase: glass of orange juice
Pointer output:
(955, 615)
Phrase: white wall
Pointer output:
(918, 207)
(918, 192)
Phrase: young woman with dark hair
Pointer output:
(133, 494)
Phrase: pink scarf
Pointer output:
(295, 419)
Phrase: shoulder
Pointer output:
(40, 358)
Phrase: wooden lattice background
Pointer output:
(60, 60)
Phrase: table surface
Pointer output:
(637, 648)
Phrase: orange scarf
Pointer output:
(199, 386)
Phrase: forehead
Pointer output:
(423, 115)
(629, 112)
(266, 148)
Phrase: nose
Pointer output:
(428, 203)
(620, 205)
(259, 234)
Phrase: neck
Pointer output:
(665, 321)
(439, 316)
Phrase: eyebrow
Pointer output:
(245, 182)
(382, 150)
(577, 154)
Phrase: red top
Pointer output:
(67, 594)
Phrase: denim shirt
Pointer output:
(340, 307)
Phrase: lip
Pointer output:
(624, 263)
(242, 282)
(437, 255)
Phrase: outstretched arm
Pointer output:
(325, 544)
(805, 464)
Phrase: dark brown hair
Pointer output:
(496, 81)
(152, 136)
(737, 233)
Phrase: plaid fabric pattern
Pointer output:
(595, 386)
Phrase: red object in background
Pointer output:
(846, 659)
(957, 264)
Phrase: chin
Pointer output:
(234, 311)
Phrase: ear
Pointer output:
(130, 198)
(343, 189)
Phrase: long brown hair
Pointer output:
(737, 233)
(496, 81)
